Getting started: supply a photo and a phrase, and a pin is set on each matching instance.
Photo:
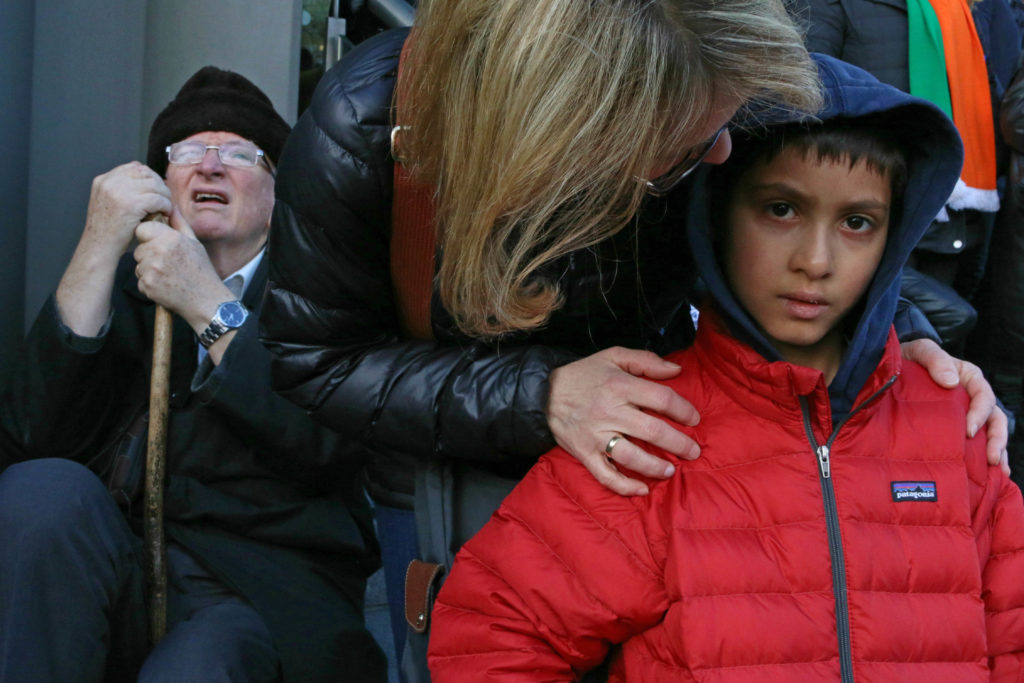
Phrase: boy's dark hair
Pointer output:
(872, 140)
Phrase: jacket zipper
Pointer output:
(823, 454)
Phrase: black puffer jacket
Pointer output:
(329, 316)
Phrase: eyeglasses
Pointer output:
(191, 152)
(667, 182)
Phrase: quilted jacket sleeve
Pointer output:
(999, 529)
(329, 316)
(538, 594)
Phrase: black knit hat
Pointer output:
(216, 100)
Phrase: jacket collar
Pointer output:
(772, 389)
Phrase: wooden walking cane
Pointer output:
(155, 553)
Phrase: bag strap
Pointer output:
(413, 240)
(412, 248)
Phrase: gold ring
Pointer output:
(611, 443)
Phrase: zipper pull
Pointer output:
(823, 462)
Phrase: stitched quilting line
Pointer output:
(822, 593)
(618, 539)
(820, 520)
(566, 637)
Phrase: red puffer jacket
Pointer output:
(880, 549)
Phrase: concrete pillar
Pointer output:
(86, 105)
(16, 32)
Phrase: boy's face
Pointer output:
(804, 240)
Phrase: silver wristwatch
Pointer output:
(230, 315)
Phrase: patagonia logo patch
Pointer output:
(914, 491)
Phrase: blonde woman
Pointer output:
(555, 135)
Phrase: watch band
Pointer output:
(214, 331)
(230, 315)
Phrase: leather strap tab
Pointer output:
(419, 593)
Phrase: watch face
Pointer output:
(232, 314)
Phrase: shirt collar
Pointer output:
(244, 275)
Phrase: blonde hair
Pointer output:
(535, 118)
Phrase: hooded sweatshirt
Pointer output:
(805, 544)
(934, 155)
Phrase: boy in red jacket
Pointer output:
(838, 525)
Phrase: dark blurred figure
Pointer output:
(998, 344)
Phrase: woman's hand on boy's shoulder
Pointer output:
(600, 406)
(949, 372)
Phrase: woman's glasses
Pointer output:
(667, 182)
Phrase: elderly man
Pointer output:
(270, 538)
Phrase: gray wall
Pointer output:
(86, 102)
(16, 22)
(81, 82)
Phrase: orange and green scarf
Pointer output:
(947, 67)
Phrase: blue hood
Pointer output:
(934, 156)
